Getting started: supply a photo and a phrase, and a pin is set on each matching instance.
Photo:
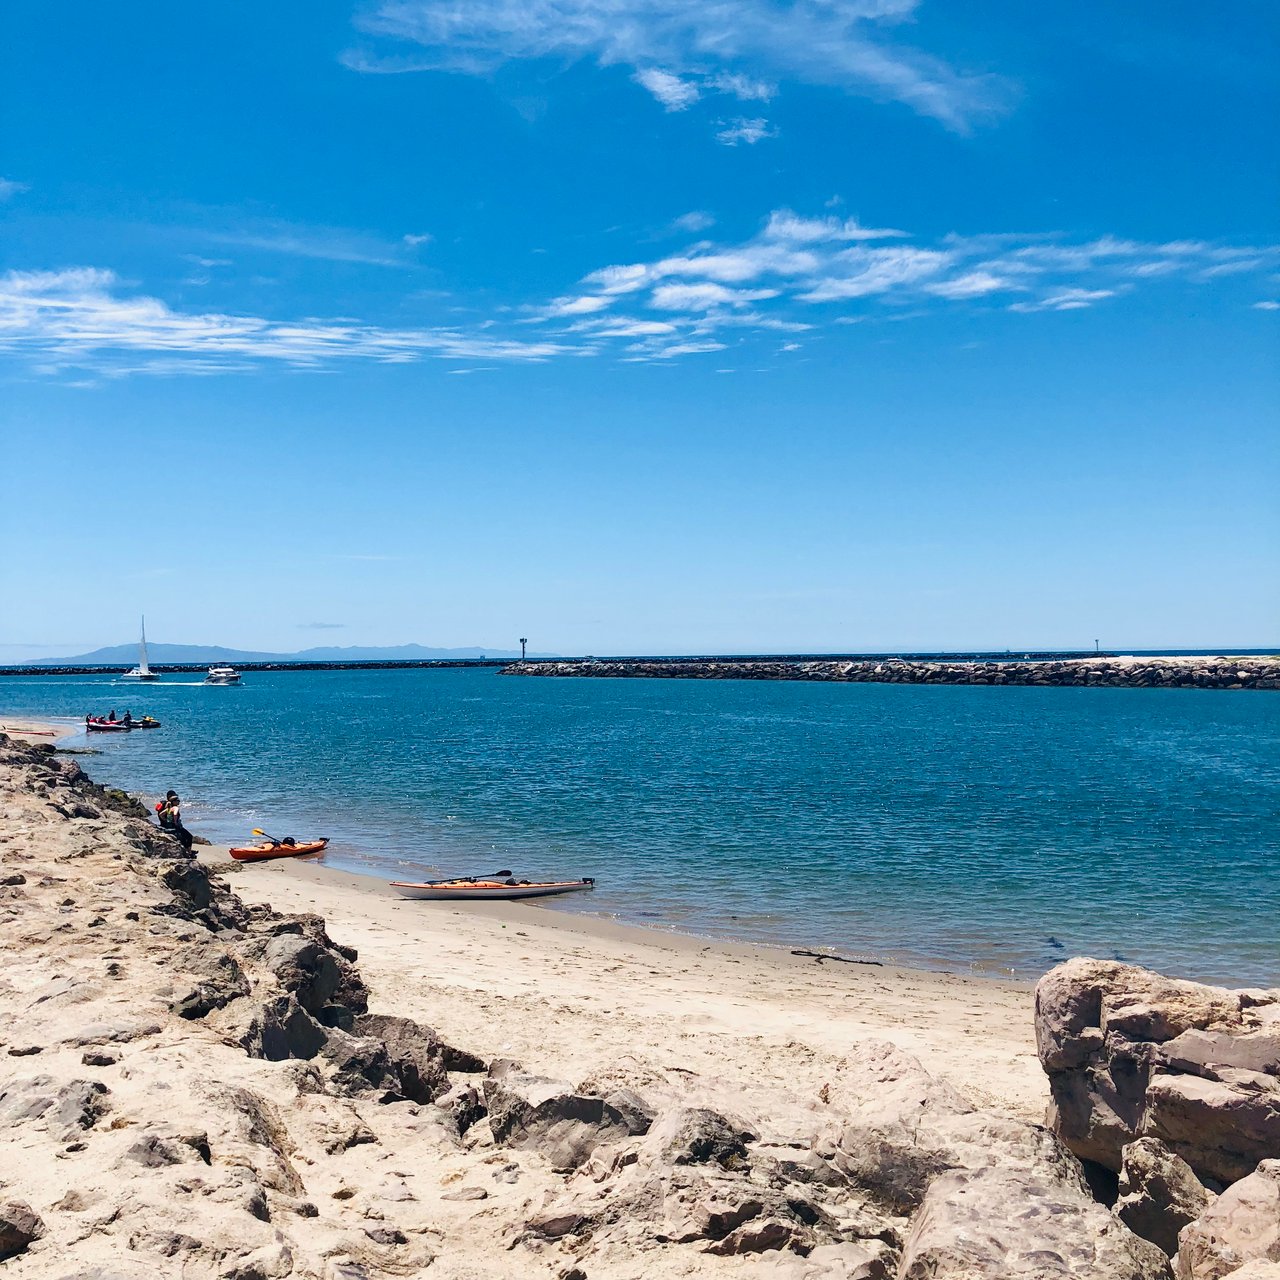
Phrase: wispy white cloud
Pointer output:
(746, 131)
(85, 317)
(674, 93)
(795, 274)
(1066, 300)
(580, 306)
(742, 48)
(694, 221)
(329, 244)
(973, 284)
(417, 241)
(744, 88)
(783, 224)
(9, 188)
(705, 296)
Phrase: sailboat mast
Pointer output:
(142, 649)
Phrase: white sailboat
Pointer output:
(142, 671)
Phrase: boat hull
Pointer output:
(268, 852)
(487, 890)
(106, 726)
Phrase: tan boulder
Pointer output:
(997, 1223)
(1130, 1053)
(1241, 1227)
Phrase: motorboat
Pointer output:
(469, 888)
(142, 671)
(222, 675)
(287, 848)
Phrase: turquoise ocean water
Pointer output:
(987, 829)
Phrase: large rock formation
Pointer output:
(1132, 1054)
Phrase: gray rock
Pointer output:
(81, 1104)
(282, 1029)
(416, 1054)
(220, 981)
(1159, 1194)
(695, 1135)
(20, 1226)
(534, 1112)
(999, 1223)
(1241, 1227)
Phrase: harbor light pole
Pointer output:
(524, 640)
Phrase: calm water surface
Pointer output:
(998, 829)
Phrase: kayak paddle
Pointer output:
(493, 875)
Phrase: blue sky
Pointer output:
(638, 326)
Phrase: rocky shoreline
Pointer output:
(1125, 673)
(192, 1085)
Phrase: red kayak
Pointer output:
(261, 852)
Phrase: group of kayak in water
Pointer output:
(109, 723)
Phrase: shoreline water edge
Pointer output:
(203, 1075)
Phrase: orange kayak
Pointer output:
(261, 852)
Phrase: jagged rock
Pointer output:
(696, 1135)
(221, 980)
(360, 1063)
(20, 1226)
(1255, 1271)
(464, 1105)
(1159, 1194)
(304, 968)
(1242, 1226)
(1130, 1053)
(1003, 1222)
(81, 1104)
(416, 1053)
(635, 1111)
(904, 1127)
(528, 1111)
(280, 1029)
(156, 1150)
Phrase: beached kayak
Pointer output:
(499, 890)
(262, 852)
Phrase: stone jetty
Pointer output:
(1127, 673)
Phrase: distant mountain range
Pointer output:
(118, 655)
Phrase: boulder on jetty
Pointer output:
(197, 1086)
(1095, 672)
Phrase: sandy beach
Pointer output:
(578, 994)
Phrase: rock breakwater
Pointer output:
(1125, 673)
